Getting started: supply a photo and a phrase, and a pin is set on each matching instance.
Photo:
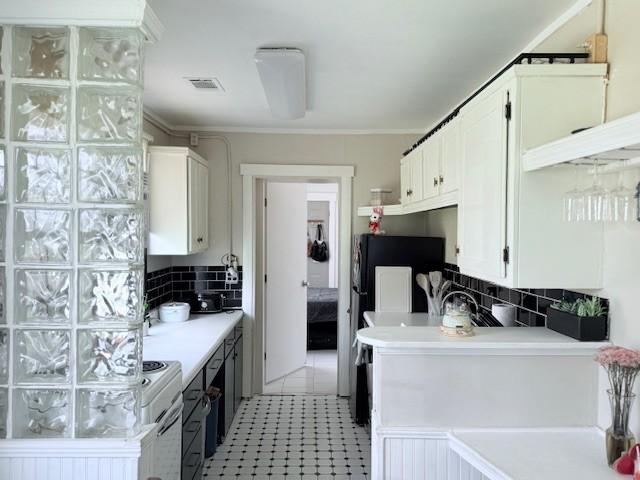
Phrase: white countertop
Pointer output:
(191, 343)
(549, 454)
(518, 340)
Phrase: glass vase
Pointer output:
(618, 437)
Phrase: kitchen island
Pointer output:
(426, 385)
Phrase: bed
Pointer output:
(322, 318)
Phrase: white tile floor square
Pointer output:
(319, 375)
(293, 437)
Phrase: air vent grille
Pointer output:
(211, 84)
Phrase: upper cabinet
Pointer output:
(429, 174)
(179, 201)
(411, 168)
(510, 226)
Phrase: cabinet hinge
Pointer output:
(457, 250)
(505, 254)
(265, 278)
(265, 355)
(507, 111)
(265, 202)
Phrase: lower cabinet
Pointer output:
(237, 374)
(222, 370)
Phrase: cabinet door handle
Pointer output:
(435, 181)
(441, 179)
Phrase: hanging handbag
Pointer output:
(319, 249)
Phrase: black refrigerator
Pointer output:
(422, 254)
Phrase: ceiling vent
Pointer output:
(210, 84)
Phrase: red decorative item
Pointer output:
(374, 221)
(624, 464)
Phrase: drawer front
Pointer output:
(213, 365)
(191, 429)
(193, 459)
(228, 344)
(192, 396)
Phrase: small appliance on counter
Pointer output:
(457, 316)
(173, 312)
(206, 302)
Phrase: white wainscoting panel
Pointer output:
(425, 458)
(78, 459)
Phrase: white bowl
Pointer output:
(173, 312)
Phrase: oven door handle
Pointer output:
(171, 420)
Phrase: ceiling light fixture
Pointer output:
(282, 72)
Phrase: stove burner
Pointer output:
(145, 381)
(148, 367)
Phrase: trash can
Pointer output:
(211, 437)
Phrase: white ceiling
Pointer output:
(372, 65)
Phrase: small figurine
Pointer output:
(374, 221)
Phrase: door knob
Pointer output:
(305, 283)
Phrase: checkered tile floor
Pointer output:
(288, 437)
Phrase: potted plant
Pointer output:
(622, 366)
(584, 319)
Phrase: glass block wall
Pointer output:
(71, 224)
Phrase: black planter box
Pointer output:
(585, 329)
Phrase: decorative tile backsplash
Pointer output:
(158, 287)
(531, 303)
(175, 283)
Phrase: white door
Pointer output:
(482, 206)
(416, 174)
(193, 191)
(431, 166)
(405, 180)
(204, 207)
(286, 270)
(450, 157)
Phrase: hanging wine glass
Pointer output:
(573, 201)
(593, 197)
(622, 201)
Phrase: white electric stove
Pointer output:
(162, 404)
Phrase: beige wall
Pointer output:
(621, 252)
(375, 157)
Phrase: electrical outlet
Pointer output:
(231, 277)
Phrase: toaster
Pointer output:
(206, 302)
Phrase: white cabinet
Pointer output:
(436, 178)
(411, 177)
(179, 201)
(198, 193)
(450, 157)
(510, 226)
(431, 167)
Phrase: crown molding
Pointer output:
(84, 13)
(181, 130)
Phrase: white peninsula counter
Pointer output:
(427, 385)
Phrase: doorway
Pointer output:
(300, 291)
(255, 177)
